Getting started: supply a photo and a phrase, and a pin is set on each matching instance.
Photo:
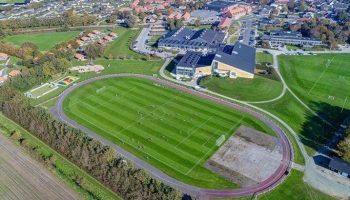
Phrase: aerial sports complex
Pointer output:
(201, 144)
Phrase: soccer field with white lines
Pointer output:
(172, 130)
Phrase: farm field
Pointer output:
(172, 130)
(64, 169)
(23, 178)
(322, 82)
(44, 41)
(257, 89)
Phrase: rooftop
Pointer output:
(240, 55)
(339, 165)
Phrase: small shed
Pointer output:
(340, 166)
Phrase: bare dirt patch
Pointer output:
(247, 158)
(23, 178)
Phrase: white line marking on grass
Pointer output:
(200, 160)
(93, 94)
(342, 108)
(319, 78)
(194, 131)
(209, 138)
(124, 139)
(150, 113)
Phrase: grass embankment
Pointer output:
(120, 47)
(115, 66)
(45, 41)
(323, 83)
(264, 57)
(257, 89)
(172, 130)
(294, 188)
(87, 187)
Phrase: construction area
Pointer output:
(247, 158)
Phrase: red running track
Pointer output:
(267, 184)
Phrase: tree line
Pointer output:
(100, 161)
(40, 67)
(343, 147)
(328, 32)
(65, 20)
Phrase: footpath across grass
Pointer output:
(45, 41)
(89, 188)
(174, 131)
(321, 81)
(312, 131)
(257, 89)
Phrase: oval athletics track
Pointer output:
(200, 193)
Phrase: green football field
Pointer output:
(322, 81)
(172, 130)
(45, 41)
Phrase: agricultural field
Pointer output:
(322, 82)
(64, 169)
(22, 177)
(45, 41)
(172, 130)
(257, 89)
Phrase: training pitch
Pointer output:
(172, 130)
(321, 78)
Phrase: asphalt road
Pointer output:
(201, 193)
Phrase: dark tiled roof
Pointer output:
(241, 56)
(193, 38)
(218, 5)
(194, 59)
(189, 60)
(339, 165)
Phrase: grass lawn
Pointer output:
(294, 188)
(64, 169)
(312, 131)
(172, 130)
(322, 82)
(45, 41)
(115, 66)
(257, 89)
(120, 47)
(262, 57)
(292, 47)
(41, 90)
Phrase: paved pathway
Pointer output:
(196, 191)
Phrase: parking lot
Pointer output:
(248, 32)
